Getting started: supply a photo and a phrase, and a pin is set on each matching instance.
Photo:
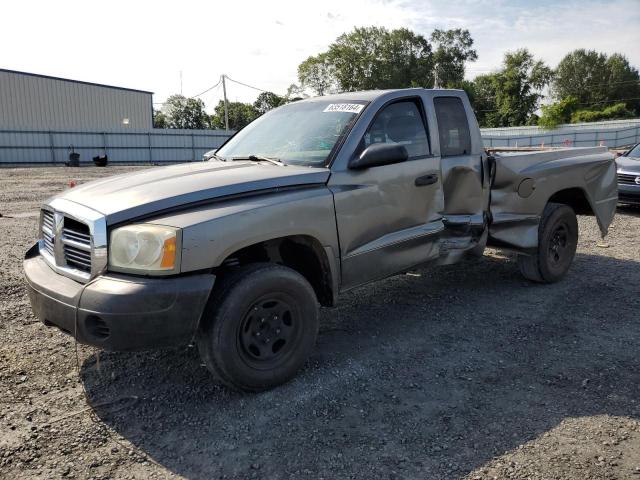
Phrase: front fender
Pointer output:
(211, 233)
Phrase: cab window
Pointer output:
(453, 127)
(401, 123)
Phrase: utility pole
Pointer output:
(226, 108)
(435, 77)
(180, 82)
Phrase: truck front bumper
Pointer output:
(118, 312)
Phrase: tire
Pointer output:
(259, 327)
(557, 243)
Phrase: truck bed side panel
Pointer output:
(525, 182)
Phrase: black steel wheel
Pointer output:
(269, 331)
(259, 327)
(557, 244)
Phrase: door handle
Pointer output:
(426, 180)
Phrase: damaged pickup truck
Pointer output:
(311, 199)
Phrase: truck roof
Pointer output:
(370, 95)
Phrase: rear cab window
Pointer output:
(453, 126)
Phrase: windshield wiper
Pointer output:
(215, 156)
(260, 158)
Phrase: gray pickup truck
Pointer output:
(311, 199)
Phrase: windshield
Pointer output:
(302, 133)
(634, 152)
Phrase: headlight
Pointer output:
(149, 248)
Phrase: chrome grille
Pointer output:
(627, 178)
(82, 237)
(73, 239)
(48, 231)
(78, 258)
(76, 239)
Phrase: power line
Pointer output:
(209, 89)
(244, 84)
(218, 83)
(583, 103)
(198, 95)
(610, 101)
(609, 83)
(586, 85)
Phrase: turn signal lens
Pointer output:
(169, 254)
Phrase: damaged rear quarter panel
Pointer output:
(516, 216)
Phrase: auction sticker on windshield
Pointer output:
(344, 107)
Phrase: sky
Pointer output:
(147, 44)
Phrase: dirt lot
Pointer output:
(460, 371)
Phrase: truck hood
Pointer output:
(132, 195)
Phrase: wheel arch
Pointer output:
(302, 253)
(574, 197)
(583, 203)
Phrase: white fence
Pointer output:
(121, 146)
(614, 133)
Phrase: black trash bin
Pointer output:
(74, 159)
(100, 161)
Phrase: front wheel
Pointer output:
(259, 327)
(557, 243)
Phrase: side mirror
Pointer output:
(379, 154)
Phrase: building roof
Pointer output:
(74, 81)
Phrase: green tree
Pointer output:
(408, 60)
(452, 49)
(514, 92)
(357, 58)
(376, 58)
(612, 112)
(182, 112)
(267, 101)
(596, 79)
(533, 120)
(160, 120)
(318, 74)
(558, 113)
(624, 82)
(580, 74)
(294, 93)
(370, 58)
(240, 115)
(482, 95)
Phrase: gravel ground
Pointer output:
(464, 371)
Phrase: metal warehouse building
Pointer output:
(30, 101)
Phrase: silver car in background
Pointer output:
(628, 166)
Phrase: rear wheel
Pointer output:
(259, 327)
(557, 243)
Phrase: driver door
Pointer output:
(388, 216)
